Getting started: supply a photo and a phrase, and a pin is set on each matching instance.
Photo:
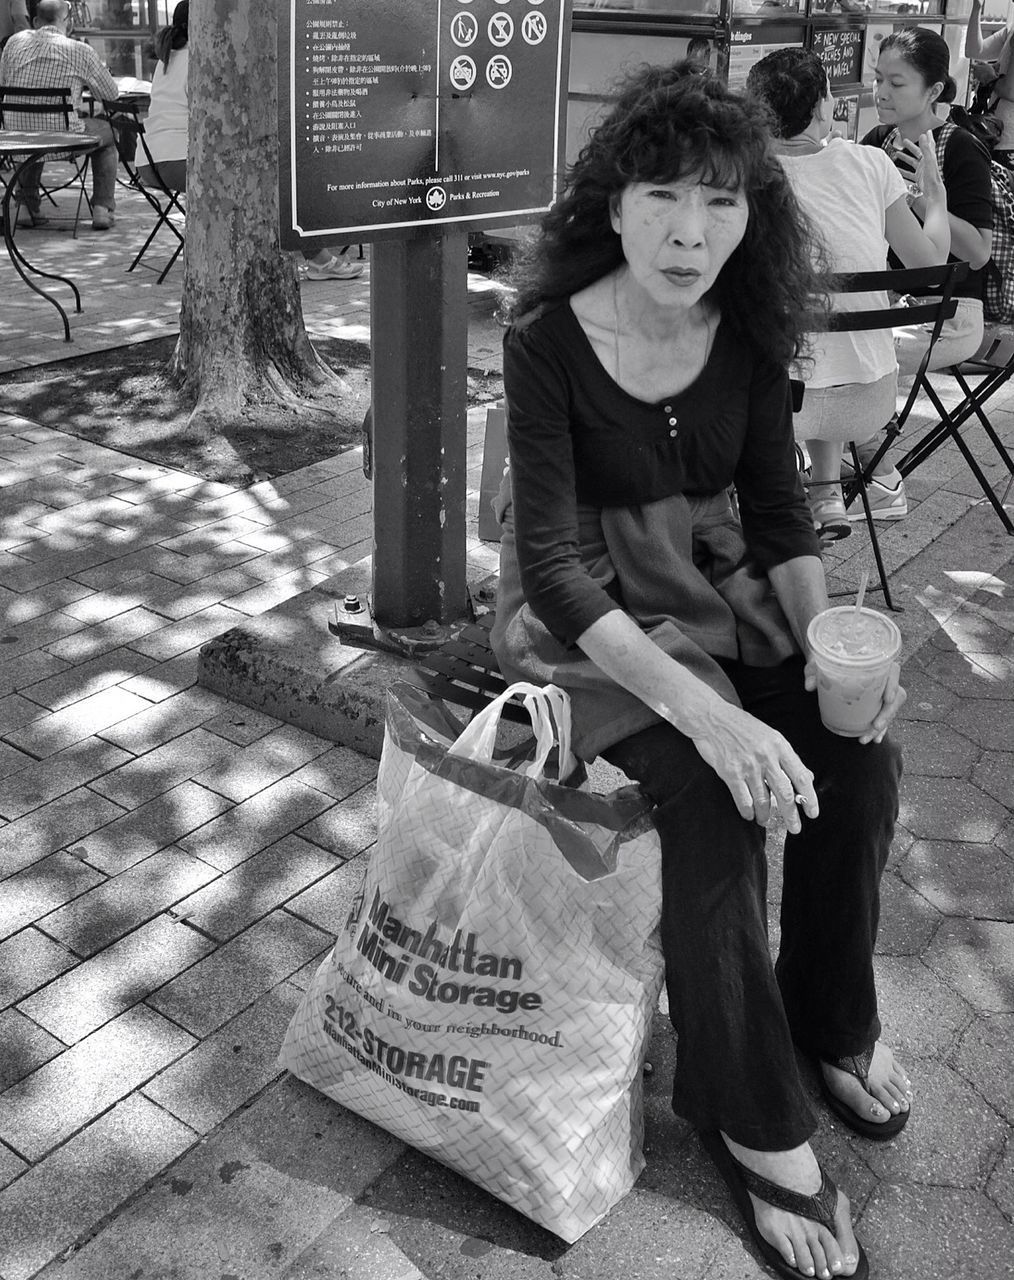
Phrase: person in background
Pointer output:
(645, 374)
(13, 18)
(912, 77)
(856, 201)
(322, 264)
(996, 49)
(699, 50)
(166, 125)
(46, 58)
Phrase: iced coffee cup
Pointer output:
(853, 653)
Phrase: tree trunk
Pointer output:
(242, 342)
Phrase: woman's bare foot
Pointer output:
(803, 1243)
(887, 1082)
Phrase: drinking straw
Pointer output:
(859, 601)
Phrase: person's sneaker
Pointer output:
(887, 501)
(31, 218)
(829, 518)
(339, 268)
(102, 219)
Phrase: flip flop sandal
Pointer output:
(859, 1066)
(740, 1180)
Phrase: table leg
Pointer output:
(21, 263)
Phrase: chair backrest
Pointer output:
(933, 310)
(35, 110)
(124, 119)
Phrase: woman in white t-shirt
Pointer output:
(857, 203)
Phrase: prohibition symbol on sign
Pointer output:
(499, 71)
(534, 27)
(436, 198)
(500, 29)
(464, 28)
(462, 72)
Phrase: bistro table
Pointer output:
(23, 148)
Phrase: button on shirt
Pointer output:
(47, 59)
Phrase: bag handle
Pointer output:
(549, 710)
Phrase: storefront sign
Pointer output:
(438, 112)
(841, 52)
(749, 42)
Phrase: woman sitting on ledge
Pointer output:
(645, 374)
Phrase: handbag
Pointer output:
(490, 997)
(983, 125)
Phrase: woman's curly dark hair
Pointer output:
(670, 123)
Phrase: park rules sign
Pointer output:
(398, 113)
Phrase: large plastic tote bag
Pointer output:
(490, 998)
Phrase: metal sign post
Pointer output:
(408, 126)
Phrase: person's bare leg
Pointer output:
(803, 1243)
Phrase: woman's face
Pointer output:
(902, 93)
(677, 236)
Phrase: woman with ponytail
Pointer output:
(166, 126)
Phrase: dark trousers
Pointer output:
(736, 1014)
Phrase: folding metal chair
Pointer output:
(125, 120)
(940, 281)
(995, 361)
(49, 110)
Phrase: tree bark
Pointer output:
(242, 341)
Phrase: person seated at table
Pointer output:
(46, 58)
(857, 202)
(645, 374)
(912, 78)
(166, 126)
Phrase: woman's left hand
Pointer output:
(893, 701)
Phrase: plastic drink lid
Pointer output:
(844, 637)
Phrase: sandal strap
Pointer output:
(857, 1065)
(820, 1207)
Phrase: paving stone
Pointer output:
(125, 629)
(37, 784)
(932, 749)
(984, 1059)
(11, 1166)
(230, 1066)
(927, 699)
(230, 979)
(989, 723)
(59, 1201)
(163, 679)
(965, 676)
(254, 888)
(937, 1233)
(75, 1088)
(25, 1047)
(244, 725)
(977, 958)
(1000, 1187)
(153, 726)
(994, 773)
(11, 760)
(951, 1128)
(253, 825)
(921, 1016)
(137, 834)
(1005, 840)
(249, 1198)
(77, 721)
(158, 771)
(105, 913)
(87, 678)
(176, 600)
(328, 902)
(338, 772)
(962, 879)
(243, 773)
(16, 711)
(189, 632)
(38, 633)
(40, 888)
(29, 960)
(266, 595)
(907, 921)
(949, 809)
(55, 826)
(79, 1002)
(349, 827)
(19, 673)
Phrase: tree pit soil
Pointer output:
(124, 400)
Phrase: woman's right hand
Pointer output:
(928, 178)
(757, 764)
